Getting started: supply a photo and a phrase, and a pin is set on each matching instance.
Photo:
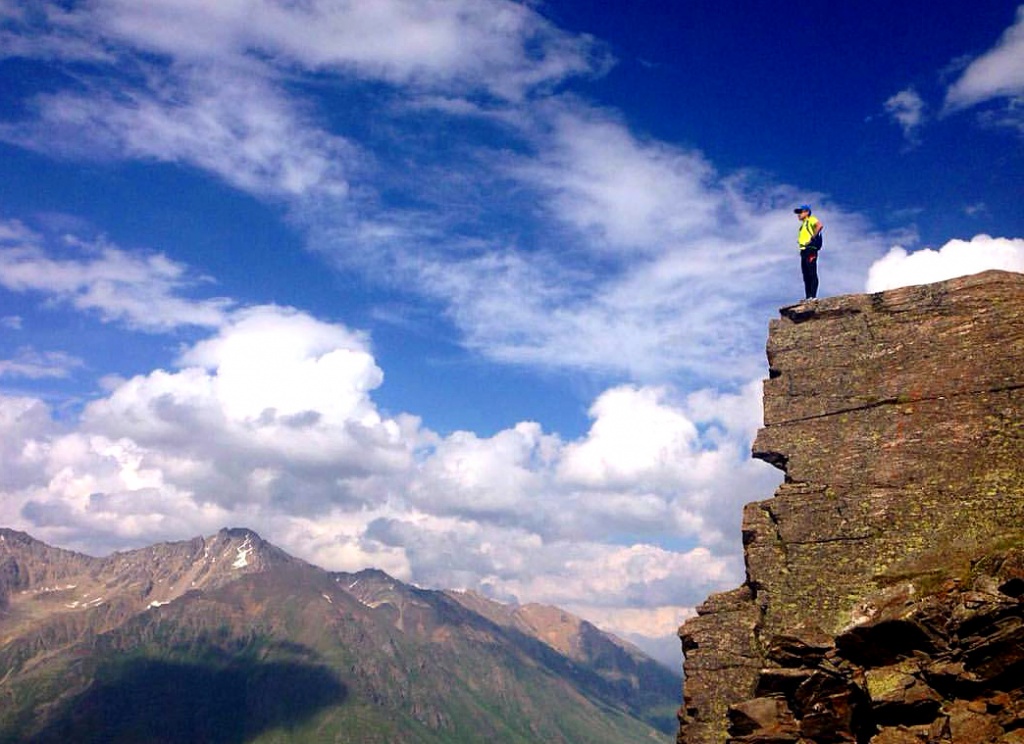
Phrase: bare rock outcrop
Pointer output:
(884, 598)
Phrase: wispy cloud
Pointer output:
(32, 364)
(47, 31)
(143, 291)
(498, 47)
(245, 131)
(620, 193)
(642, 262)
(214, 97)
(669, 277)
(907, 109)
(998, 73)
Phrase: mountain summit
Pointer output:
(229, 639)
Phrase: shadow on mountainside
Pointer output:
(150, 700)
(609, 674)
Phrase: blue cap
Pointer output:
(802, 208)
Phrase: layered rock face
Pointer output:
(883, 599)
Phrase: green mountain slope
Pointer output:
(251, 645)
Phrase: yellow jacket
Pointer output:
(807, 231)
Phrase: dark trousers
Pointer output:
(809, 268)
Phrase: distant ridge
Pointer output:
(227, 638)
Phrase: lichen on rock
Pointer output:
(884, 599)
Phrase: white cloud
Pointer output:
(511, 563)
(141, 290)
(654, 260)
(642, 575)
(907, 109)
(496, 45)
(45, 31)
(650, 622)
(214, 95)
(35, 364)
(900, 268)
(270, 423)
(502, 475)
(647, 467)
(23, 422)
(274, 389)
(221, 106)
(106, 491)
(623, 194)
(636, 438)
(998, 73)
(232, 124)
(652, 266)
(265, 421)
(338, 539)
(281, 359)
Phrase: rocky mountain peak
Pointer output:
(38, 579)
(225, 637)
(27, 564)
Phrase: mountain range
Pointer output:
(228, 639)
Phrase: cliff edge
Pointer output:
(884, 597)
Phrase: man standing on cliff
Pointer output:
(808, 238)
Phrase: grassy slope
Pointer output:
(252, 663)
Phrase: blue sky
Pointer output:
(473, 291)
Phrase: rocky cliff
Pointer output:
(884, 598)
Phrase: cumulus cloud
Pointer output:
(144, 291)
(24, 422)
(270, 422)
(907, 109)
(270, 416)
(652, 266)
(900, 268)
(276, 391)
(635, 438)
(487, 477)
(998, 73)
